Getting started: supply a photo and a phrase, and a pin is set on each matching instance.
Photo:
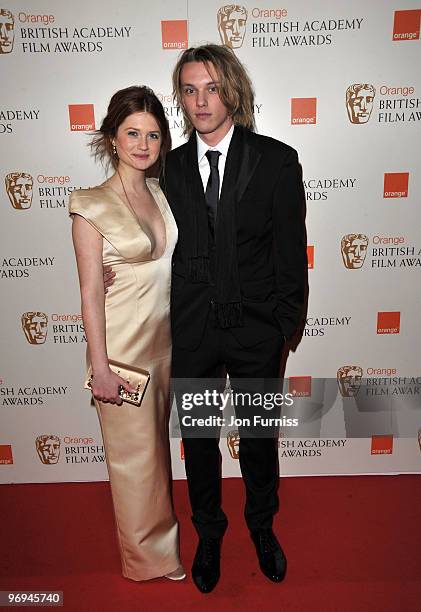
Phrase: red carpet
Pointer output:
(353, 544)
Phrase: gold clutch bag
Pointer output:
(136, 378)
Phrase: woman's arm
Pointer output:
(88, 248)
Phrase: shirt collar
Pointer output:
(222, 146)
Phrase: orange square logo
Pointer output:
(6, 456)
(300, 386)
(82, 117)
(406, 25)
(303, 111)
(381, 445)
(181, 450)
(310, 257)
(396, 185)
(174, 34)
(388, 322)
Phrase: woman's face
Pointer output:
(138, 141)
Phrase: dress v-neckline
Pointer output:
(135, 216)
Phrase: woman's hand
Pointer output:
(105, 386)
(109, 277)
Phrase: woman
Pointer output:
(126, 222)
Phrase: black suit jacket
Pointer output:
(264, 177)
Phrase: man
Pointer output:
(238, 285)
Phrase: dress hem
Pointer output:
(166, 569)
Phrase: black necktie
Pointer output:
(212, 188)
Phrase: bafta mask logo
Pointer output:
(354, 249)
(48, 449)
(232, 20)
(7, 31)
(34, 326)
(419, 438)
(359, 102)
(349, 380)
(19, 186)
(233, 443)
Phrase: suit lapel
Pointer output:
(241, 163)
(242, 160)
(196, 215)
(191, 172)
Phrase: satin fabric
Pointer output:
(137, 309)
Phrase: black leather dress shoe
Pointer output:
(271, 557)
(206, 565)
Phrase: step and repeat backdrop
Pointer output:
(338, 81)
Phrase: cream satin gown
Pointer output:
(137, 309)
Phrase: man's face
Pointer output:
(360, 106)
(233, 28)
(201, 102)
(49, 450)
(354, 253)
(349, 382)
(20, 191)
(233, 443)
(35, 328)
(6, 33)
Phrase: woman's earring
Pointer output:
(114, 150)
